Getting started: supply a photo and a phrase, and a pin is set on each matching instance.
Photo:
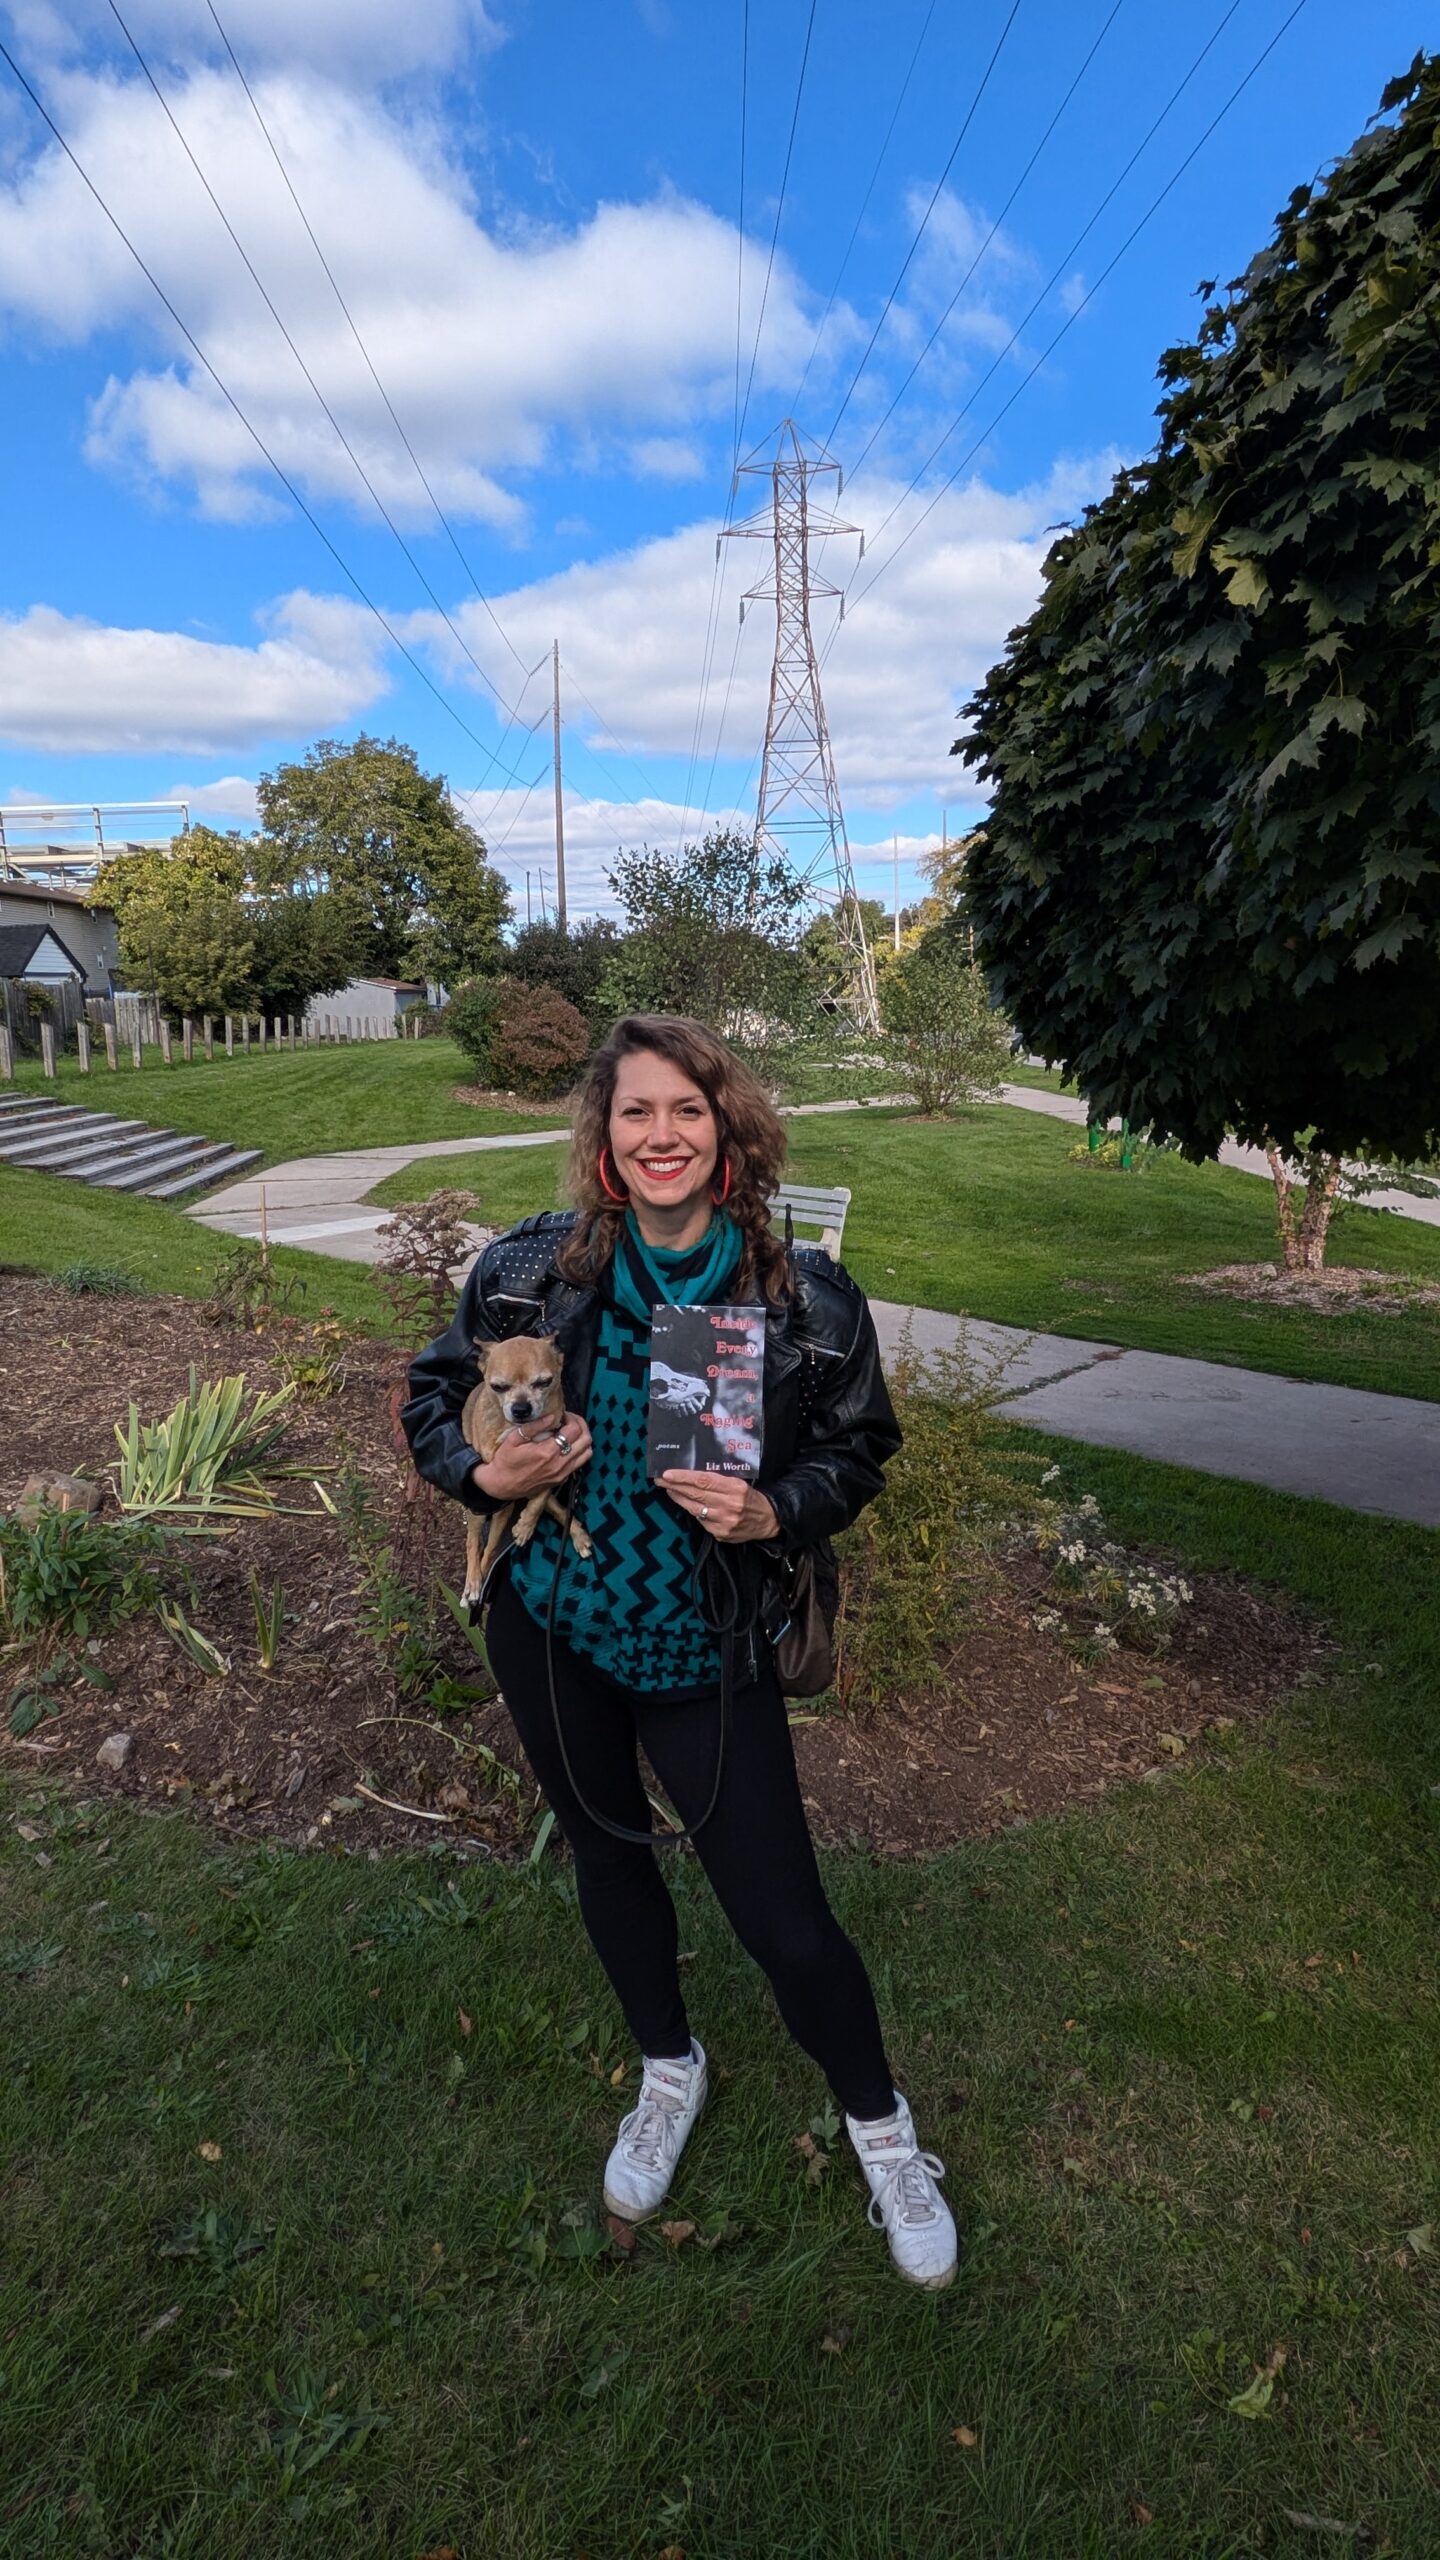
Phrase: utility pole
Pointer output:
(798, 814)
(528, 918)
(895, 849)
(559, 806)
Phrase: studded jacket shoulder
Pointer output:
(829, 1423)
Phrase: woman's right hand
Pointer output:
(530, 1457)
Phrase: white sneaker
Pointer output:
(904, 2197)
(653, 2135)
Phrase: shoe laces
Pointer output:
(910, 2175)
(648, 2132)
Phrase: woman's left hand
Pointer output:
(725, 1505)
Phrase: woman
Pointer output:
(676, 1152)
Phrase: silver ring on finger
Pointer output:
(704, 1510)
(562, 1444)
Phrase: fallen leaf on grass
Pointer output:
(677, 2233)
(162, 2323)
(622, 2233)
(1173, 1743)
(209, 2151)
(835, 2342)
(1254, 2401)
(617, 2075)
(1421, 2239)
(1304, 2522)
(467, 2024)
(1140, 2514)
(28, 1831)
(965, 2437)
(1313, 1963)
(442, 2551)
(816, 2161)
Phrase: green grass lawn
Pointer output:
(984, 1215)
(48, 1225)
(1181, 2053)
(377, 1093)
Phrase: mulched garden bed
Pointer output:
(1016, 1728)
(1337, 1290)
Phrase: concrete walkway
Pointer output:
(1341, 1444)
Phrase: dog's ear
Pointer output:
(482, 1355)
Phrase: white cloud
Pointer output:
(501, 352)
(349, 40)
(232, 800)
(75, 686)
(632, 632)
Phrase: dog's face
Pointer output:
(523, 1375)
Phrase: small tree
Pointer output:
(1209, 884)
(715, 933)
(940, 1030)
(184, 928)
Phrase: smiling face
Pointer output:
(663, 1139)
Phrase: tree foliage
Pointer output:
(1210, 881)
(205, 925)
(571, 959)
(714, 932)
(364, 820)
(940, 1031)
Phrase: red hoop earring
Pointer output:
(610, 1194)
(722, 1195)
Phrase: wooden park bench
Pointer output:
(808, 1207)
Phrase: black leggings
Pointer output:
(756, 1850)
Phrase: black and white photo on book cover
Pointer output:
(706, 1376)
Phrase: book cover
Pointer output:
(706, 1380)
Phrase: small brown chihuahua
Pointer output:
(519, 1383)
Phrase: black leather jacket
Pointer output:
(829, 1424)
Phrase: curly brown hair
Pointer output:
(750, 1131)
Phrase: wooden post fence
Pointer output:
(245, 1033)
(262, 1033)
(82, 1046)
(187, 1038)
(207, 1034)
(164, 1041)
(290, 1031)
(229, 1037)
(136, 1055)
(7, 1055)
(111, 1060)
(47, 1049)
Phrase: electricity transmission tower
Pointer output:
(798, 815)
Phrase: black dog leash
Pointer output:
(725, 1634)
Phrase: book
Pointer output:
(706, 1390)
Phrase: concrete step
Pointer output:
(194, 1180)
(110, 1147)
(20, 1104)
(50, 1151)
(21, 1124)
(134, 1170)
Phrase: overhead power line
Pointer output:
(905, 263)
(251, 270)
(877, 430)
(354, 328)
(775, 230)
(1069, 322)
(864, 205)
(286, 483)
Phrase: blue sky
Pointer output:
(534, 215)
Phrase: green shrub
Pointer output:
(538, 1042)
(70, 1573)
(470, 1018)
(912, 1561)
(941, 1032)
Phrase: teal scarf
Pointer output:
(630, 1608)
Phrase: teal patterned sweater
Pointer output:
(630, 1607)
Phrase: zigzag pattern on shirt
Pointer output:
(631, 1608)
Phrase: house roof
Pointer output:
(19, 944)
(42, 892)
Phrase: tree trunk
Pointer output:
(1302, 1241)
